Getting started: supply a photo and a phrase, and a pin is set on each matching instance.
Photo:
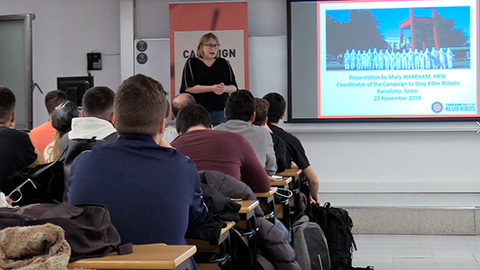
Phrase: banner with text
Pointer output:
(228, 21)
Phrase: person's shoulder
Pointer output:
(260, 130)
(194, 60)
(228, 137)
(182, 162)
(226, 133)
(276, 129)
(222, 61)
(15, 134)
(43, 126)
(285, 135)
(222, 126)
(83, 158)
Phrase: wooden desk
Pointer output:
(267, 194)
(267, 202)
(247, 206)
(282, 204)
(284, 183)
(224, 233)
(206, 248)
(247, 215)
(247, 224)
(151, 256)
(295, 174)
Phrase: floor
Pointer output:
(417, 252)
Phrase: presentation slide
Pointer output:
(383, 60)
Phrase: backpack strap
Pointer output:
(60, 159)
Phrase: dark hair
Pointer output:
(240, 105)
(63, 114)
(181, 101)
(276, 108)
(192, 115)
(98, 102)
(140, 106)
(7, 104)
(53, 99)
(261, 111)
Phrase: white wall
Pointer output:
(63, 33)
(265, 17)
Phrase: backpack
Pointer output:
(46, 184)
(310, 245)
(74, 148)
(88, 228)
(337, 225)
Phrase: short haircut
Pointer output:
(240, 105)
(261, 111)
(53, 99)
(276, 108)
(7, 104)
(181, 101)
(202, 41)
(140, 106)
(98, 102)
(192, 115)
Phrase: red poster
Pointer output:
(227, 20)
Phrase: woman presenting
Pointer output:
(209, 78)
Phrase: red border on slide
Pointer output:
(319, 115)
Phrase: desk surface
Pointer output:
(151, 256)
(290, 172)
(229, 225)
(266, 194)
(247, 206)
(281, 183)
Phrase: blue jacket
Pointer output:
(153, 193)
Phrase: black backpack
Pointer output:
(337, 226)
(74, 148)
(88, 228)
(41, 184)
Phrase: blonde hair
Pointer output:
(52, 151)
(202, 41)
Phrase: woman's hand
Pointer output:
(219, 89)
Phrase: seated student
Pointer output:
(95, 127)
(279, 146)
(180, 101)
(62, 121)
(218, 150)
(97, 117)
(153, 192)
(295, 151)
(42, 135)
(240, 113)
(16, 149)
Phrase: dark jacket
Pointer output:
(271, 241)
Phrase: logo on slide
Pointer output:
(437, 107)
